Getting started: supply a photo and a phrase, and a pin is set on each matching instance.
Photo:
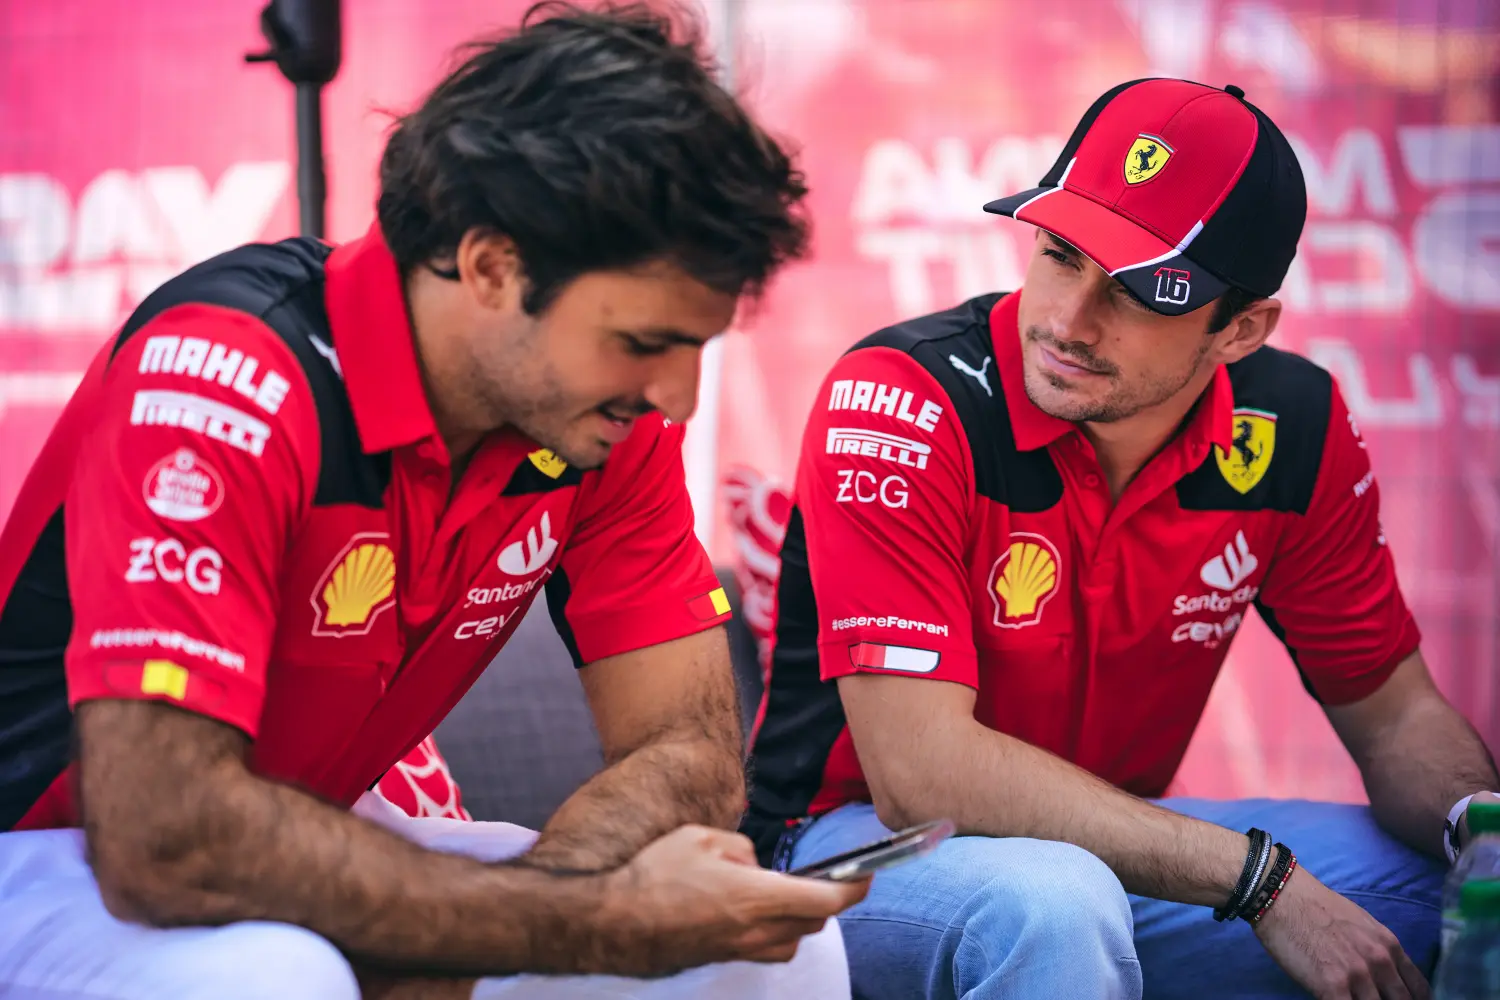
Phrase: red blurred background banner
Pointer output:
(133, 142)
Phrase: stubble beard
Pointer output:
(1120, 403)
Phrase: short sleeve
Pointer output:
(1331, 594)
(884, 488)
(183, 500)
(633, 573)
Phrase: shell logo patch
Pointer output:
(1027, 575)
(358, 585)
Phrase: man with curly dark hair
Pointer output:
(306, 494)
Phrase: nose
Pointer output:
(1074, 313)
(674, 384)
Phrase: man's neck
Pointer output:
(430, 308)
(1124, 447)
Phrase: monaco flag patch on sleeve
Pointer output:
(874, 656)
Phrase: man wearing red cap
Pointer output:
(1063, 502)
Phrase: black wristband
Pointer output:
(1261, 898)
(1260, 870)
(1256, 859)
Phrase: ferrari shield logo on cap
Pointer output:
(1249, 456)
(1148, 154)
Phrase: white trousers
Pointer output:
(57, 941)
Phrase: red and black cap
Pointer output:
(1178, 190)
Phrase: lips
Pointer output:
(1063, 366)
(615, 428)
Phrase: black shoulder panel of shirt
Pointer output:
(1300, 396)
(956, 348)
(281, 284)
(528, 479)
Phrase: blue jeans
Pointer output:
(1013, 918)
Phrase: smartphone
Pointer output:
(910, 843)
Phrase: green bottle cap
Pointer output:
(1479, 899)
(1484, 817)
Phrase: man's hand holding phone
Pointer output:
(697, 896)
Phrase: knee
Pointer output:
(1060, 896)
(255, 959)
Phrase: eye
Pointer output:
(1060, 256)
(1129, 301)
(640, 348)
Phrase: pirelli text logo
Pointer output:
(209, 417)
(878, 444)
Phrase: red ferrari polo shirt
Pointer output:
(244, 511)
(947, 529)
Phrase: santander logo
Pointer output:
(525, 557)
(1228, 571)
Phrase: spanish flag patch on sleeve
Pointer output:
(711, 605)
(164, 677)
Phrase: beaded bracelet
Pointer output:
(1291, 866)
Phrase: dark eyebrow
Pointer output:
(666, 335)
(1064, 245)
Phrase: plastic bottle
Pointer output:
(1471, 970)
(1480, 859)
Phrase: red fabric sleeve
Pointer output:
(636, 573)
(185, 495)
(885, 489)
(1331, 591)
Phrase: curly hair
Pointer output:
(595, 140)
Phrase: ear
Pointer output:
(489, 266)
(1248, 330)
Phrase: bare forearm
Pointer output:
(650, 792)
(382, 898)
(1420, 765)
(1028, 792)
(225, 846)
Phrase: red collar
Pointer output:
(376, 350)
(1212, 422)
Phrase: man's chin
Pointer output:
(584, 456)
(1076, 410)
(1056, 400)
